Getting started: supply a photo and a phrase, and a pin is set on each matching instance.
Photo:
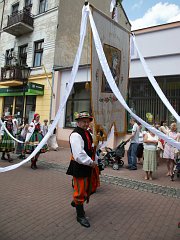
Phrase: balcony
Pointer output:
(11, 76)
(20, 23)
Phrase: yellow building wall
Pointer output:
(43, 102)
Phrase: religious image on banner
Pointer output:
(106, 109)
(113, 56)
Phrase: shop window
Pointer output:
(15, 8)
(79, 100)
(38, 53)
(23, 55)
(42, 6)
(30, 107)
(8, 105)
(9, 56)
(19, 106)
(144, 101)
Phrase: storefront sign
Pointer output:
(29, 89)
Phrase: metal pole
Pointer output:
(23, 98)
(2, 16)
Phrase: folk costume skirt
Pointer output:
(34, 140)
(7, 144)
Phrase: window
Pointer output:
(19, 106)
(30, 107)
(8, 105)
(38, 52)
(9, 56)
(143, 99)
(15, 8)
(23, 55)
(42, 6)
(79, 100)
(28, 5)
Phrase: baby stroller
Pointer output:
(176, 169)
(113, 157)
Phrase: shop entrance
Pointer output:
(15, 106)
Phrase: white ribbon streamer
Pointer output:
(107, 72)
(109, 77)
(154, 82)
(66, 95)
(4, 126)
(112, 5)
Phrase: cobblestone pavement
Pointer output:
(36, 204)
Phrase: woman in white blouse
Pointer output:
(150, 156)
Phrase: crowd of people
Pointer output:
(28, 136)
(146, 148)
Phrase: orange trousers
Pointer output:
(83, 187)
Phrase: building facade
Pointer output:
(27, 38)
(67, 42)
(160, 47)
(44, 35)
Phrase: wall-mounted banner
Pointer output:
(107, 110)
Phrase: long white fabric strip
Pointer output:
(115, 89)
(66, 94)
(154, 82)
(112, 5)
(4, 126)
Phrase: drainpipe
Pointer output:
(52, 94)
(2, 15)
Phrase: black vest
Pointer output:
(76, 169)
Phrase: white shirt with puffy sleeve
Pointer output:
(77, 147)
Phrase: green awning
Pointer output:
(30, 89)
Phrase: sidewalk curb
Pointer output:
(125, 182)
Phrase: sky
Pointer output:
(146, 13)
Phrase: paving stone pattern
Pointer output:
(35, 205)
(128, 183)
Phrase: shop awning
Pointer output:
(29, 89)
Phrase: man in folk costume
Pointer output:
(81, 165)
(33, 138)
(7, 144)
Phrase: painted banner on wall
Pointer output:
(106, 108)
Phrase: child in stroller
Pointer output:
(176, 169)
(112, 157)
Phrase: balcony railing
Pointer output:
(11, 76)
(20, 23)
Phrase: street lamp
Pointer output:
(25, 73)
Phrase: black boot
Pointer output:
(33, 164)
(3, 156)
(81, 217)
(9, 158)
(74, 205)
